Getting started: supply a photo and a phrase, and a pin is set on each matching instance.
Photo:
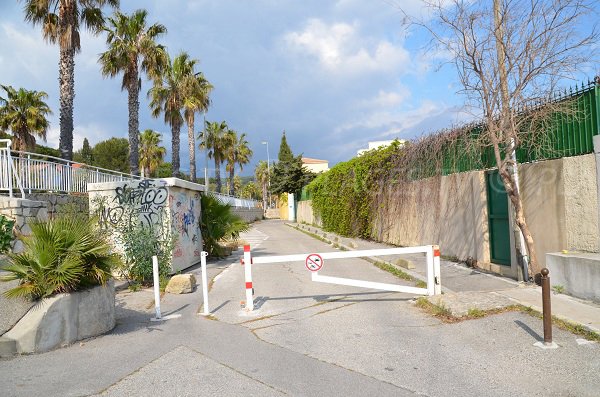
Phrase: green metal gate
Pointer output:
(498, 219)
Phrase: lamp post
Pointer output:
(205, 153)
(268, 170)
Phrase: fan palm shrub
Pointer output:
(218, 223)
(65, 254)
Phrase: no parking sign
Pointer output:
(314, 262)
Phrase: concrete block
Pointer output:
(65, 318)
(8, 347)
(405, 263)
(32, 204)
(578, 273)
(181, 284)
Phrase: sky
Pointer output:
(334, 74)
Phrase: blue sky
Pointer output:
(332, 74)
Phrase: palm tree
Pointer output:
(63, 28)
(24, 112)
(167, 96)
(236, 152)
(132, 49)
(151, 153)
(261, 173)
(196, 90)
(214, 141)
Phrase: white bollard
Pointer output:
(437, 279)
(248, 278)
(203, 256)
(156, 287)
(430, 271)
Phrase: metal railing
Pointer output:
(28, 172)
(235, 201)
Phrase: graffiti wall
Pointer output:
(171, 207)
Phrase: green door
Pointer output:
(498, 219)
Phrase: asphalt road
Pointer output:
(305, 338)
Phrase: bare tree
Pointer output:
(511, 56)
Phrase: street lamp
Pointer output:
(268, 170)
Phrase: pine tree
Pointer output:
(86, 152)
(285, 153)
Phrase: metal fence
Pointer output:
(235, 201)
(25, 172)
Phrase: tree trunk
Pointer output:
(507, 130)
(218, 175)
(134, 110)
(231, 176)
(175, 131)
(66, 81)
(192, 147)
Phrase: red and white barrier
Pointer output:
(432, 253)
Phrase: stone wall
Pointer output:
(62, 203)
(23, 212)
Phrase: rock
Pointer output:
(405, 263)
(181, 284)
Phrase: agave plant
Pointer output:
(62, 255)
(218, 223)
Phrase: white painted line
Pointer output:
(368, 284)
(342, 254)
(164, 318)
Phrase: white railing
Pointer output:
(35, 172)
(27, 172)
(235, 201)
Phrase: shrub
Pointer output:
(62, 255)
(218, 223)
(6, 233)
(140, 244)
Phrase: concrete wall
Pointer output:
(578, 274)
(306, 215)
(248, 214)
(65, 318)
(559, 198)
(170, 206)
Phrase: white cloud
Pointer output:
(340, 48)
(94, 132)
(387, 99)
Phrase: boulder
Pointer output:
(181, 284)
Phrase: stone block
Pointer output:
(32, 204)
(16, 211)
(181, 284)
(26, 230)
(8, 347)
(19, 221)
(29, 211)
(18, 247)
(42, 215)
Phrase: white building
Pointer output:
(315, 165)
(379, 144)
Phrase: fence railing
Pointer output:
(235, 201)
(28, 172)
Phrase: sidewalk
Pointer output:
(467, 288)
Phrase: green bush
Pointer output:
(218, 223)
(62, 255)
(140, 244)
(6, 233)
(344, 196)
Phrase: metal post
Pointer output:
(248, 278)
(546, 307)
(268, 171)
(203, 256)
(156, 287)
(437, 282)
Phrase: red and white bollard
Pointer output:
(434, 286)
(248, 277)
